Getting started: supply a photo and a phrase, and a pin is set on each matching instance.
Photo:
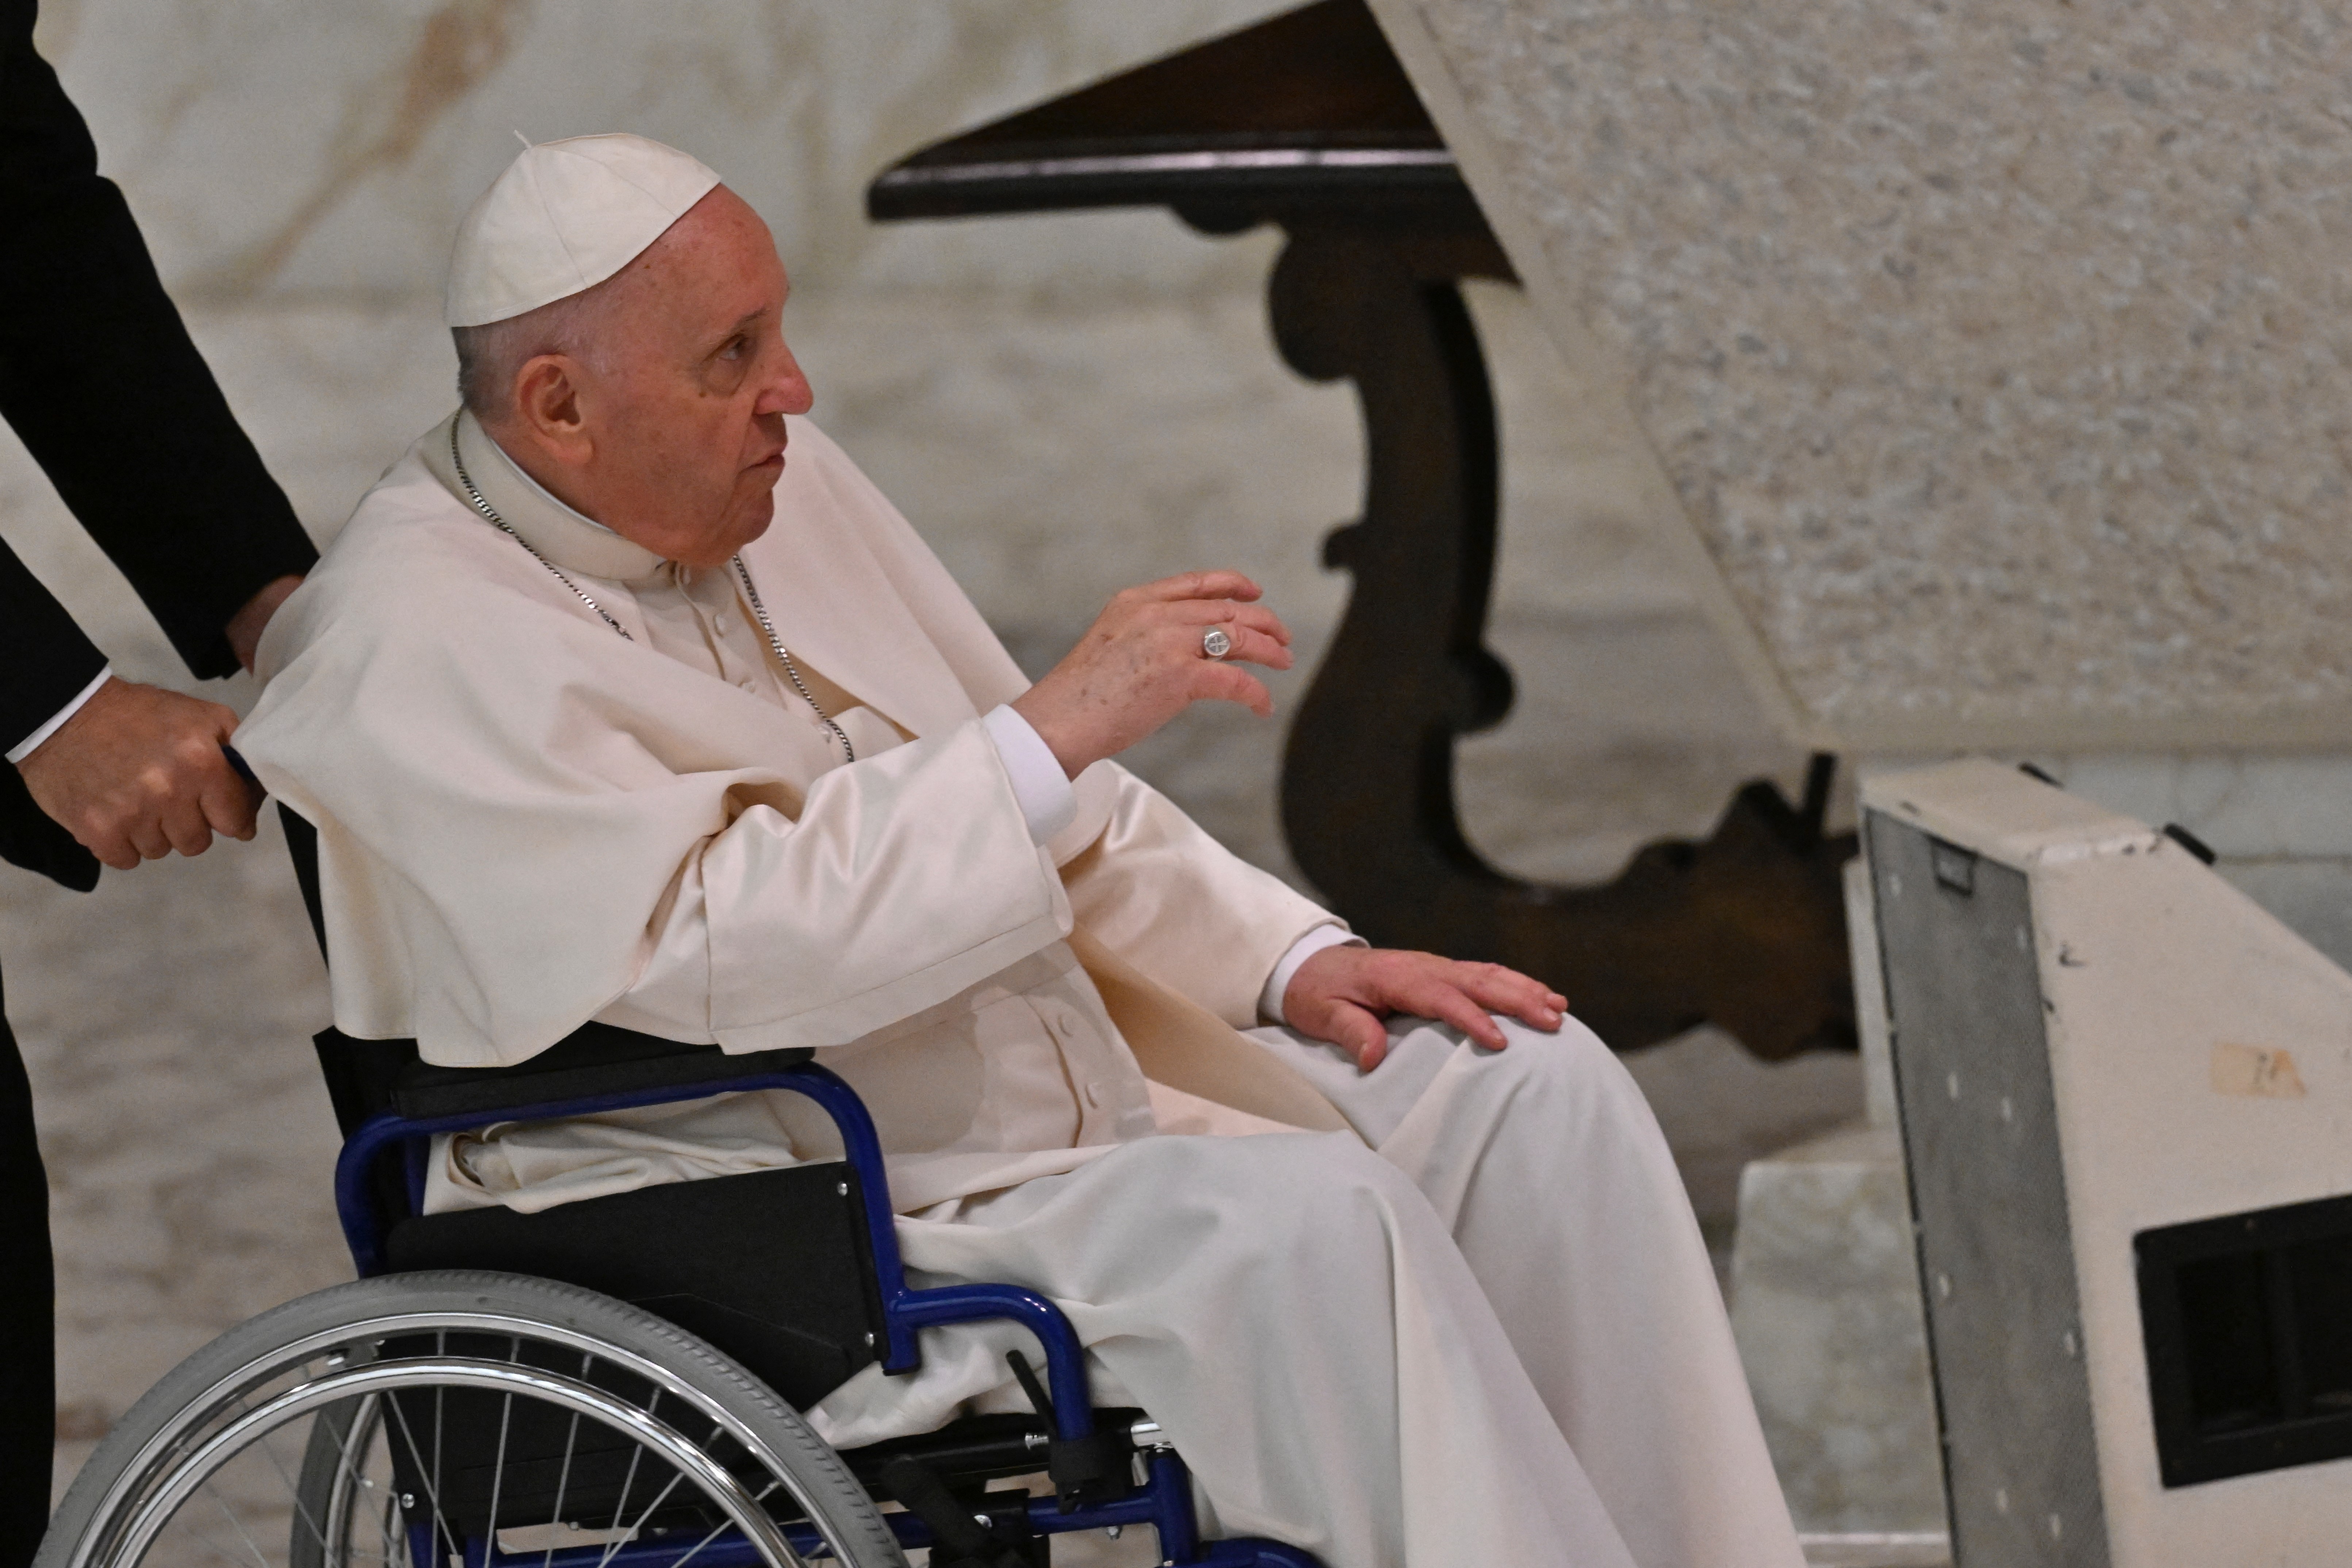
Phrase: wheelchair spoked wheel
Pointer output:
(463, 1420)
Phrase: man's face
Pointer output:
(681, 409)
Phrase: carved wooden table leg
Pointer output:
(1746, 930)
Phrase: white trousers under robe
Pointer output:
(1493, 1338)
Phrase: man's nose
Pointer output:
(788, 391)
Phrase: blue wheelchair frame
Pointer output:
(1163, 1501)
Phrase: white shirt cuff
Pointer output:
(26, 747)
(1278, 984)
(1049, 803)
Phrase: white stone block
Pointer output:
(1825, 1305)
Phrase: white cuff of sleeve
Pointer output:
(1278, 984)
(26, 747)
(1049, 803)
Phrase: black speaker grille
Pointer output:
(2248, 1323)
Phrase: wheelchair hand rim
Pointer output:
(387, 1325)
(743, 1510)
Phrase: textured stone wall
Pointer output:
(1997, 354)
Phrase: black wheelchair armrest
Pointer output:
(368, 1077)
(593, 1059)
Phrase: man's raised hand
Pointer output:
(1343, 994)
(1141, 664)
(139, 771)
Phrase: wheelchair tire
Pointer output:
(391, 1388)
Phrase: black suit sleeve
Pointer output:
(48, 661)
(98, 378)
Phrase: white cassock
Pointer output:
(1464, 1318)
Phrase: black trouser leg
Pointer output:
(28, 1313)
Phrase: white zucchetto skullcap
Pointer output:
(564, 217)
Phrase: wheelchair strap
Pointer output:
(1097, 1468)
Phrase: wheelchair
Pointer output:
(611, 1382)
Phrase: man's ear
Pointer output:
(547, 406)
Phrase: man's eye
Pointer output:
(736, 348)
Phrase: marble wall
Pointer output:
(286, 148)
(1996, 356)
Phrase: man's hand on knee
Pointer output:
(1143, 662)
(138, 771)
(1343, 994)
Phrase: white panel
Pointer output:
(2169, 997)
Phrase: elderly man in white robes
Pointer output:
(625, 695)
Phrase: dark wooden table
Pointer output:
(1308, 121)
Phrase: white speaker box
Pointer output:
(2126, 1095)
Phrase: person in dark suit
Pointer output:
(100, 380)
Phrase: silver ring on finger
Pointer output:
(1215, 644)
